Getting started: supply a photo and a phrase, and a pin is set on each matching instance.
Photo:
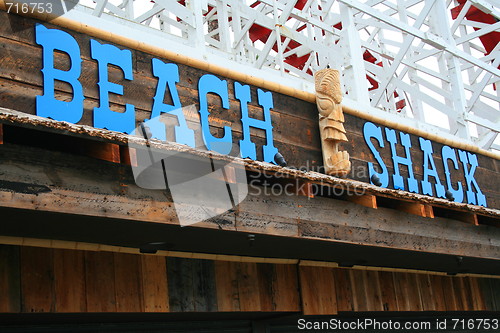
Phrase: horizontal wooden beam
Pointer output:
(15, 118)
(323, 219)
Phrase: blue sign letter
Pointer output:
(372, 131)
(247, 147)
(449, 154)
(168, 74)
(212, 84)
(47, 105)
(397, 160)
(105, 55)
(426, 147)
(468, 158)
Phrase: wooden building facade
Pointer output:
(84, 247)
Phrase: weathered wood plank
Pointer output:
(285, 288)
(490, 292)
(10, 279)
(477, 299)
(204, 288)
(387, 287)
(451, 298)
(37, 279)
(100, 281)
(69, 275)
(343, 289)
(360, 298)
(267, 281)
(373, 290)
(180, 284)
(427, 297)
(226, 276)
(495, 292)
(317, 288)
(438, 292)
(128, 286)
(402, 288)
(248, 287)
(154, 283)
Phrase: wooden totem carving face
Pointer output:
(331, 119)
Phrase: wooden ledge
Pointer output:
(113, 146)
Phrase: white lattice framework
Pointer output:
(426, 69)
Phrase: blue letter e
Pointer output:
(47, 105)
(104, 117)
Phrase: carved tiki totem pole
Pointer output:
(331, 118)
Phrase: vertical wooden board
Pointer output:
(477, 299)
(69, 276)
(358, 290)
(343, 289)
(495, 292)
(460, 294)
(401, 284)
(100, 281)
(37, 279)
(450, 297)
(1, 134)
(226, 279)
(438, 292)
(286, 288)
(426, 292)
(204, 294)
(388, 291)
(485, 289)
(414, 293)
(10, 279)
(266, 278)
(308, 291)
(180, 284)
(154, 283)
(128, 286)
(248, 287)
(317, 288)
(373, 291)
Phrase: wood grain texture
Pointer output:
(69, 278)
(343, 289)
(10, 279)
(285, 288)
(100, 282)
(180, 284)
(226, 277)
(37, 280)
(191, 285)
(128, 283)
(56, 280)
(267, 280)
(387, 288)
(453, 303)
(154, 283)
(318, 292)
(248, 287)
